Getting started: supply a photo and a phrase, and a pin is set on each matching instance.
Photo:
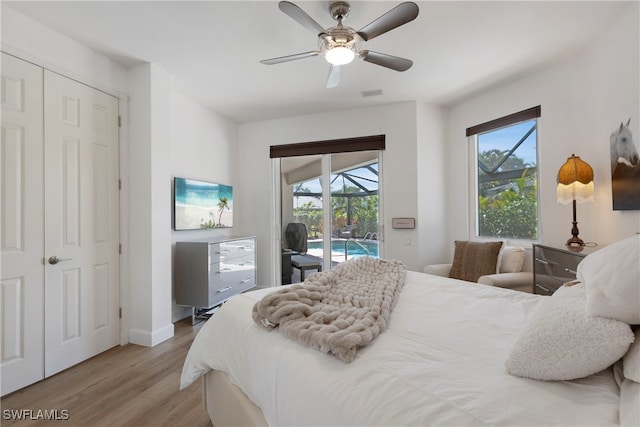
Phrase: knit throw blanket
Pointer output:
(336, 311)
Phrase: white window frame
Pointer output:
(473, 188)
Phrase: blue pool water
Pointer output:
(337, 247)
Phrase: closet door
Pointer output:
(59, 233)
(21, 234)
(81, 222)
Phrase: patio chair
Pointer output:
(348, 232)
(296, 236)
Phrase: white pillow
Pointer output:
(631, 361)
(561, 342)
(629, 410)
(612, 278)
(512, 259)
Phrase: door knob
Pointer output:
(53, 260)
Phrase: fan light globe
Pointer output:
(339, 55)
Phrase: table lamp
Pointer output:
(575, 184)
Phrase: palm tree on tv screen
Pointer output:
(223, 204)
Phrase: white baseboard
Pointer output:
(180, 312)
(150, 339)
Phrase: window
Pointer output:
(505, 171)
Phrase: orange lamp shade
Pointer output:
(575, 181)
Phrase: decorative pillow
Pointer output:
(612, 278)
(631, 360)
(474, 259)
(561, 342)
(512, 259)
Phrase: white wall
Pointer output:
(432, 185)
(203, 146)
(34, 42)
(399, 171)
(149, 206)
(583, 98)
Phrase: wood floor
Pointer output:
(128, 385)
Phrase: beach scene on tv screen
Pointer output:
(202, 205)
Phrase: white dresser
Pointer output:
(208, 272)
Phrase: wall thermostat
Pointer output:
(403, 222)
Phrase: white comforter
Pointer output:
(440, 362)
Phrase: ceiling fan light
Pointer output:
(339, 55)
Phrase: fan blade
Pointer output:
(334, 76)
(301, 17)
(290, 57)
(389, 61)
(399, 15)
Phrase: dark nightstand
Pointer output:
(554, 265)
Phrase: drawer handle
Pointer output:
(568, 270)
(544, 261)
(219, 291)
(223, 269)
(542, 287)
(246, 280)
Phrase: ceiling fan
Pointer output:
(340, 44)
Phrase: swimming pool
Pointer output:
(337, 247)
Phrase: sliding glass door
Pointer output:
(334, 199)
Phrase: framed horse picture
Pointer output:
(625, 169)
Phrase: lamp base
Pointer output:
(575, 240)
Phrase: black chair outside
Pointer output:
(296, 236)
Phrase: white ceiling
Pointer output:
(213, 48)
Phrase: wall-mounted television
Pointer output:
(201, 205)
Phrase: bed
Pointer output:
(440, 361)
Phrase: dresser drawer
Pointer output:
(560, 265)
(230, 282)
(229, 250)
(545, 288)
(219, 293)
(227, 271)
(237, 270)
(552, 267)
